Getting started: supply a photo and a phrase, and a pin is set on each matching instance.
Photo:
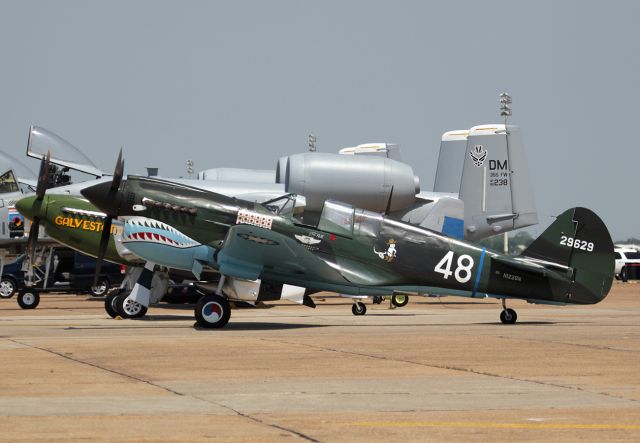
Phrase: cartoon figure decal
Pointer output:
(390, 254)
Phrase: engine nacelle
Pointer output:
(360, 180)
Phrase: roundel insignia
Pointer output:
(212, 311)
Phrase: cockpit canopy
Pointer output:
(344, 220)
(336, 217)
(289, 205)
(8, 182)
(15, 176)
(63, 153)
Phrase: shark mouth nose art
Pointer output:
(142, 229)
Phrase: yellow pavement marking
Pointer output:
(461, 424)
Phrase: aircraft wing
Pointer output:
(249, 251)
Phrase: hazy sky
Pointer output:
(239, 84)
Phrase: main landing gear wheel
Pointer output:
(359, 308)
(212, 311)
(377, 299)
(508, 316)
(28, 299)
(399, 300)
(128, 308)
(110, 305)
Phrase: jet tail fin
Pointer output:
(494, 183)
(579, 240)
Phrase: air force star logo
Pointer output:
(478, 155)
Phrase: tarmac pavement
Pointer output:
(437, 369)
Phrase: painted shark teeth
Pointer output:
(139, 229)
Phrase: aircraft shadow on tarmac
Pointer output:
(232, 326)
(523, 323)
(260, 326)
(273, 325)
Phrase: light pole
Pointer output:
(505, 111)
(312, 143)
(190, 168)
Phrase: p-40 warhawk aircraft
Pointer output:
(270, 251)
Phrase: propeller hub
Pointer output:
(104, 198)
(31, 207)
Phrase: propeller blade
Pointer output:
(102, 249)
(43, 176)
(118, 172)
(32, 241)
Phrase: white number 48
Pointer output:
(463, 269)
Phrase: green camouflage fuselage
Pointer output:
(72, 221)
(369, 254)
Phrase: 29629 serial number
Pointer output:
(576, 243)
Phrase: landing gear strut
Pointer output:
(508, 316)
(359, 308)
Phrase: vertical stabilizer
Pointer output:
(495, 184)
(450, 161)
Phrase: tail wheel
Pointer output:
(110, 305)
(359, 308)
(508, 316)
(128, 308)
(212, 311)
(399, 300)
(28, 299)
